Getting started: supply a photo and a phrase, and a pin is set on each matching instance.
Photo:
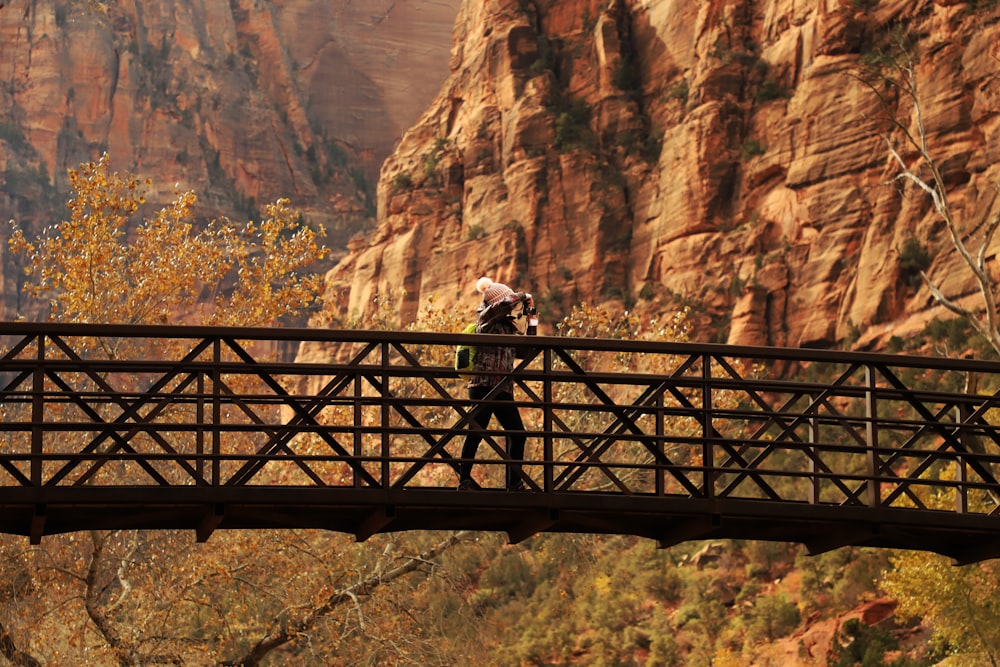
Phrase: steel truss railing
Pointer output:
(205, 428)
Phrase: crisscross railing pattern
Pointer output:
(207, 428)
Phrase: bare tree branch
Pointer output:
(125, 652)
(365, 587)
(986, 322)
(991, 229)
(8, 648)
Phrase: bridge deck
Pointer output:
(206, 429)
(365, 512)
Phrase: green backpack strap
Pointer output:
(465, 355)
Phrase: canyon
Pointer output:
(240, 102)
(727, 156)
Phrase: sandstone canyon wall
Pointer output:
(241, 101)
(721, 154)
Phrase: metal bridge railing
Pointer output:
(182, 409)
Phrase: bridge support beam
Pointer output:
(210, 522)
(375, 522)
(532, 525)
(980, 552)
(700, 528)
(854, 536)
(37, 519)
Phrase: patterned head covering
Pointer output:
(493, 293)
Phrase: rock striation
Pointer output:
(723, 154)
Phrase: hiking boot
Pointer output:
(465, 485)
(517, 485)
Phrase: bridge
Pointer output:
(160, 427)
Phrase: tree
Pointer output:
(101, 266)
(130, 598)
(892, 75)
(957, 602)
(154, 597)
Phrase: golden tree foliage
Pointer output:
(130, 598)
(960, 603)
(310, 597)
(103, 266)
(957, 601)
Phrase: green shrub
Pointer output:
(752, 147)
(13, 135)
(545, 57)
(627, 76)
(769, 90)
(679, 91)
(913, 260)
(861, 645)
(403, 181)
(652, 146)
(573, 124)
(771, 617)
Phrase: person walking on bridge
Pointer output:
(492, 366)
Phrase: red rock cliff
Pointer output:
(717, 153)
(242, 101)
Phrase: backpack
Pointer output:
(465, 355)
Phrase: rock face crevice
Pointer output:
(719, 154)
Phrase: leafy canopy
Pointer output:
(109, 264)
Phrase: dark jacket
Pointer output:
(493, 359)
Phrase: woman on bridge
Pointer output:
(492, 366)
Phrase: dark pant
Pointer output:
(502, 405)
